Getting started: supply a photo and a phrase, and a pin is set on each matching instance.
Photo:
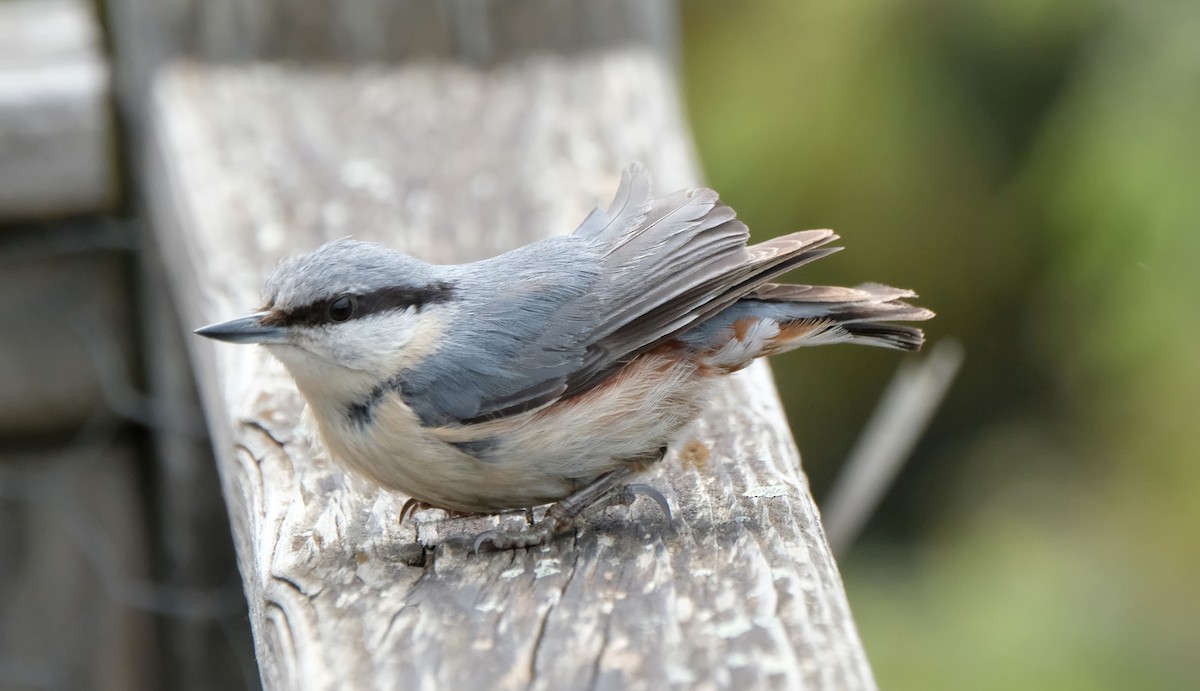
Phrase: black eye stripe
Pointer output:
(376, 301)
(401, 298)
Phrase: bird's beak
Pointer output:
(247, 329)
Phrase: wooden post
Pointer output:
(449, 162)
(56, 148)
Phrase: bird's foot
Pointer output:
(528, 536)
(599, 495)
(412, 506)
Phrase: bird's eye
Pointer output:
(341, 309)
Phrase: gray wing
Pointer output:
(555, 318)
(519, 330)
(669, 264)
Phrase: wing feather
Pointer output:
(684, 261)
(554, 319)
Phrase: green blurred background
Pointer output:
(1032, 168)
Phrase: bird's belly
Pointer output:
(395, 451)
(548, 454)
(529, 459)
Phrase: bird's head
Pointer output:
(346, 317)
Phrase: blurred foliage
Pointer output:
(1032, 168)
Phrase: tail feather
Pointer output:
(894, 336)
(857, 315)
(777, 318)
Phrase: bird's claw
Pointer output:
(410, 507)
(558, 519)
(630, 493)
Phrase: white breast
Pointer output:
(531, 459)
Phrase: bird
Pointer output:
(558, 371)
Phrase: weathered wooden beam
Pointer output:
(57, 155)
(210, 648)
(449, 163)
(149, 33)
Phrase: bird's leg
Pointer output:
(558, 517)
(603, 492)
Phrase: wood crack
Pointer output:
(296, 586)
(540, 634)
(604, 637)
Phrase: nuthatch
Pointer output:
(553, 372)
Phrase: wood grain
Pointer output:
(450, 163)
